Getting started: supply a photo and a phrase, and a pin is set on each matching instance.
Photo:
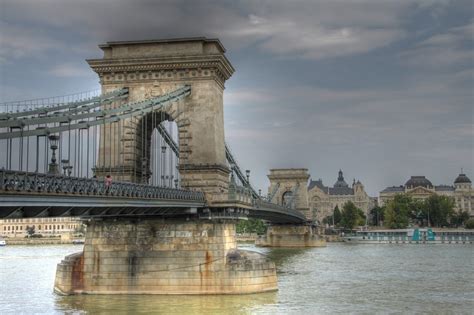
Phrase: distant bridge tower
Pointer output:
(289, 186)
(152, 68)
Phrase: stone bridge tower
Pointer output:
(290, 185)
(286, 182)
(153, 68)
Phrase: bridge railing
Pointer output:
(239, 193)
(28, 182)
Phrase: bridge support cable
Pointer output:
(236, 169)
(76, 134)
(56, 107)
(124, 112)
(273, 192)
(230, 158)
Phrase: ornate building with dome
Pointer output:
(323, 199)
(419, 187)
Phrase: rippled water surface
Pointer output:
(340, 278)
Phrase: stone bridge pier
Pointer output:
(290, 186)
(163, 257)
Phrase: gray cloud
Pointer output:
(309, 29)
(382, 89)
(451, 47)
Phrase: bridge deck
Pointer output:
(25, 194)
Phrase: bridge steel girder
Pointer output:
(36, 205)
(52, 205)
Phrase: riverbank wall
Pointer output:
(38, 241)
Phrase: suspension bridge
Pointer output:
(147, 150)
(55, 162)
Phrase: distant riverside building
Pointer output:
(323, 199)
(419, 187)
(44, 226)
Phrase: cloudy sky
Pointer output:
(381, 89)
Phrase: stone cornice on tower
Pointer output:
(288, 173)
(155, 60)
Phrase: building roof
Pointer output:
(462, 178)
(444, 188)
(341, 191)
(330, 190)
(317, 183)
(394, 189)
(417, 181)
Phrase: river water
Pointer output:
(341, 278)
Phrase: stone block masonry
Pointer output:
(163, 257)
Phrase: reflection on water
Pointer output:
(283, 256)
(159, 304)
(338, 279)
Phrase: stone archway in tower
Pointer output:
(286, 198)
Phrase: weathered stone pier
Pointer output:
(163, 257)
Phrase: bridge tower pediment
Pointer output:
(155, 67)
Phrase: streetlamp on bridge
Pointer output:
(53, 166)
(67, 169)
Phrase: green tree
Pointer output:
(398, 211)
(469, 224)
(416, 212)
(376, 215)
(337, 216)
(30, 230)
(327, 220)
(251, 226)
(351, 216)
(459, 219)
(438, 210)
(80, 229)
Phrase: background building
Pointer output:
(323, 199)
(44, 226)
(419, 187)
